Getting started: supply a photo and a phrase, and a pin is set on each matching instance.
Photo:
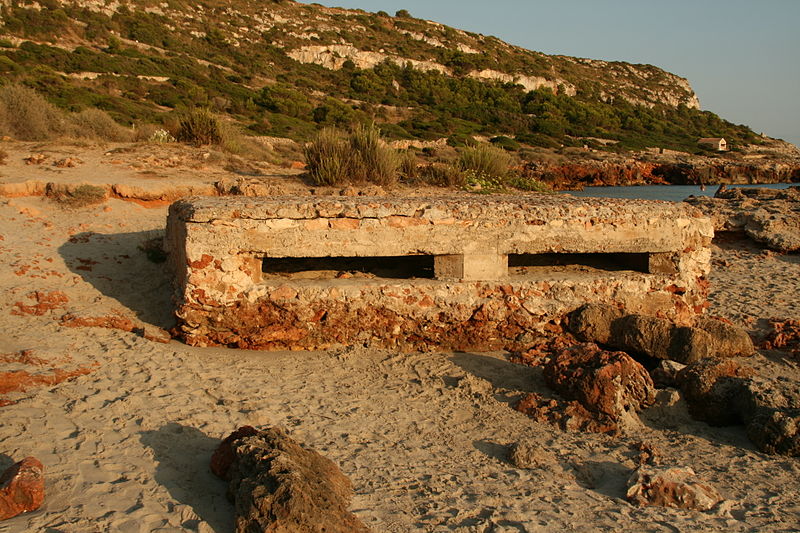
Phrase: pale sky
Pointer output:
(740, 56)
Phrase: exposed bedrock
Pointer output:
(768, 216)
(279, 486)
(570, 176)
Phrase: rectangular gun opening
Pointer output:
(392, 267)
(522, 264)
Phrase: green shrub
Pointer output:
(459, 140)
(27, 116)
(199, 127)
(361, 156)
(81, 196)
(153, 248)
(328, 157)
(443, 175)
(485, 160)
(506, 143)
(372, 159)
(527, 184)
(95, 123)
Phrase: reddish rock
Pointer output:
(671, 487)
(785, 335)
(21, 488)
(279, 486)
(45, 302)
(610, 383)
(71, 320)
(568, 415)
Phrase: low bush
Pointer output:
(485, 160)
(96, 123)
(409, 167)
(443, 175)
(153, 248)
(506, 143)
(199, 127)
(27, 116)
(523, 183)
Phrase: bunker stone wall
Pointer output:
(453, 272)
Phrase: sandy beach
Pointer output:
(125, 426)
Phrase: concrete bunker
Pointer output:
(453, 272)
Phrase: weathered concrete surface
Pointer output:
(217, 246)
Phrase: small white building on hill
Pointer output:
(716, 143)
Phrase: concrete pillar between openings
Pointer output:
(474, 267)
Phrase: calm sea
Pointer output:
(671, 193)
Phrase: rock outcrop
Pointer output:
(21, 488)
(279, 486)
(768, 216)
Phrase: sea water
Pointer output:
(670, 193)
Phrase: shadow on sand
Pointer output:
(116, 266)
(183, 454)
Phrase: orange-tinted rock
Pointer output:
(105, 321)
(45, 302)
(612, 384)
(785, 335)
(568, 415)
(21, 488)
(671, 487)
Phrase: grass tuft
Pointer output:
(81, 196)
(334, 158)
(485, 160)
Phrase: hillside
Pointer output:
(282, 68)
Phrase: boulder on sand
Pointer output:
(279, 486)
(21, 488)
(657, 337)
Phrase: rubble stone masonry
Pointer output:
(413, 273)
